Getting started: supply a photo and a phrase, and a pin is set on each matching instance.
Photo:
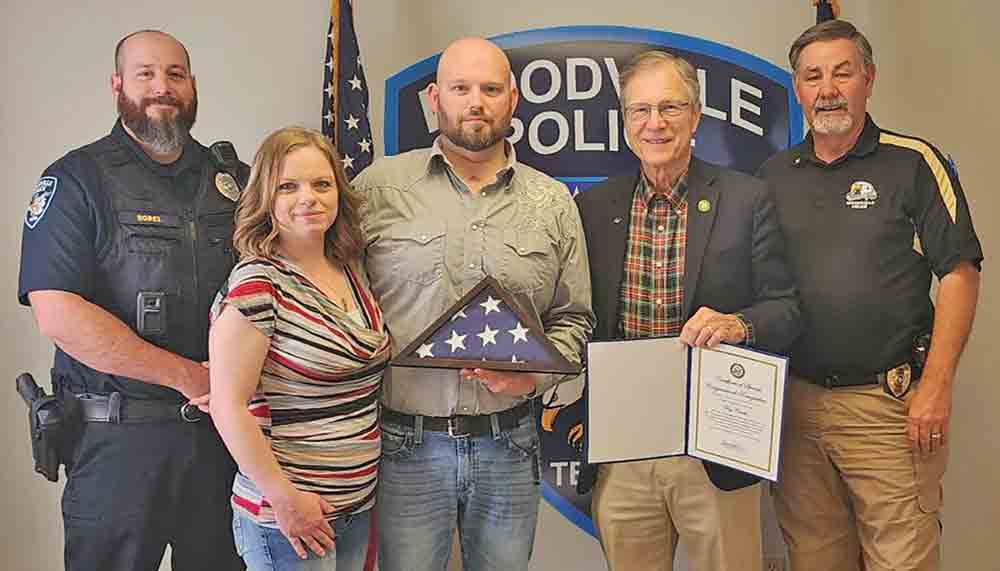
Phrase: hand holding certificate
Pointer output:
(655, 397)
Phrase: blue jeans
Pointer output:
(488, 486)
(266, 549)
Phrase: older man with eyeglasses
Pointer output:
(681, 247)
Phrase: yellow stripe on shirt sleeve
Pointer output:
(945, 188)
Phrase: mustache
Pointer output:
(831, 104)
(161, 100)
(476, 115)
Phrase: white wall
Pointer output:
(258, 68)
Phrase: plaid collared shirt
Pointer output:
(652, 292)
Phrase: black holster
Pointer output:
(47, 422)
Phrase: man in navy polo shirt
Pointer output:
(868, 216)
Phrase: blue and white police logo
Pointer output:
(45, 192)
(737, 371)
(862, 195)
(568, 124)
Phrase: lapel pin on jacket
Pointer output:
(704, 205)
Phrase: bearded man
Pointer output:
(869, 403)
(460, 448)
(124, 245)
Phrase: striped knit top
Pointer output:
(317, 400)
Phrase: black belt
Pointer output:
(115, 408)
(461, 425)
(841, 380)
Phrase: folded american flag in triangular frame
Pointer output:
(485, 329)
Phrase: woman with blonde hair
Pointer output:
(296, 350)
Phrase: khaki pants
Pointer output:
(642, 508)
(849, 481)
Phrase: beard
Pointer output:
(825, 124)
(470, 139)
(165, 135)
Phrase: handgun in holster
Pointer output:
(47, 422)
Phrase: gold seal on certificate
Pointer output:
(651, 398)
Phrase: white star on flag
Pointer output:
(491, 305)
(456, 341)
(519, 333)
(366, 145)
(329, 116)
(513, 359)
(460, 314)
(576, 191)
(425, 350)
(348, 161)
(488, 336)
(345, 91)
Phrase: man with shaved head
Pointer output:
(460, 448)
(124, 245)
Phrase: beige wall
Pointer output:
(258, 69)
(938, 78)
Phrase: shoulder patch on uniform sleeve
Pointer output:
(45, 193)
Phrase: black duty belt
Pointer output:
(461, 425)
(115, 408)
(841, 380)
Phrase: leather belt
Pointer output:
(115, 409)
(842, 380)
(461, 425)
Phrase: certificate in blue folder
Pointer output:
(656, 397)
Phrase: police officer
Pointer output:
(125, 243)
(866, 439)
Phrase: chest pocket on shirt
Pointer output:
(149, 233)
(414, 252)
(528, 262)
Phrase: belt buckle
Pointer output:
(194, 417)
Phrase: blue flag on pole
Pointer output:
(345, 92)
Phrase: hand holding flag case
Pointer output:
(487, 329)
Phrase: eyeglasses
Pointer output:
(640, 112)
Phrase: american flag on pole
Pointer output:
(345, 92)
(486, 329)
(827, 10)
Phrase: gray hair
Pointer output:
(654, 58)
(826, 32)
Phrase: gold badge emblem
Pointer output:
(898, 380)
(227, 186)
(704, 205)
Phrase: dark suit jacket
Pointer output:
(734, 262)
